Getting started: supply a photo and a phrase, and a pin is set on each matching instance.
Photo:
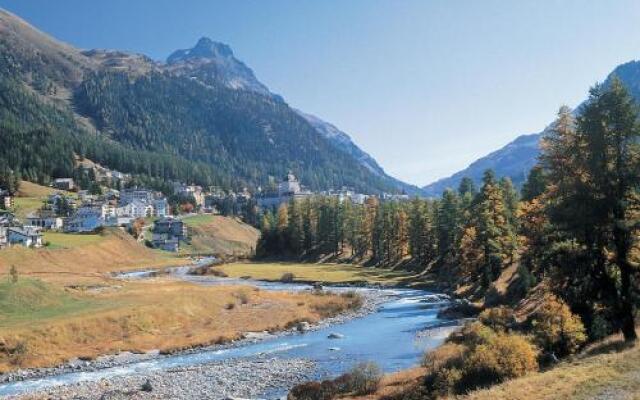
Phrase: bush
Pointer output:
(478, 356)
(364, 378)
(242, 295)
(324, 390)
(449, 355)
(500, 319)
(473, 334)
(445, 381)
(287, 277)
(502, 357)
(557, 329)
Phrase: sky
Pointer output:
(426, 87)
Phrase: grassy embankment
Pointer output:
(31, 196)
(42, 324)
(222, 236)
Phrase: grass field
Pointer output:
(329, 273)
(84, 259)
(223, 236)
(198, 220)
(31, 300)
(58, 240)
(138, 316)
(30, 197)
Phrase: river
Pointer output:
(394, 336)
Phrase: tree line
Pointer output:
(573, 226)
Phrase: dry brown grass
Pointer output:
(225, 236)
(86, 264)
(393, 385)
(606, 370)
(158, 314)
(614, 375)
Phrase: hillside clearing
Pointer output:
(221, 236)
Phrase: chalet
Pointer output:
(64, 184)
(167, 233)
(28, 236)
(45, 219)
(86, 219)
(135, 209)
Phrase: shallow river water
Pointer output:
(395, 337)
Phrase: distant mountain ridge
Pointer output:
(211, 62)
(516, 158)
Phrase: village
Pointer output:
(136, 210)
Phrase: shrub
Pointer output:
(18, 353)
(503, 357)
(473, 334)
(242, 295)
(287, 277)
(364, 378)
(445, 381)
(500, 319)
(600, 328)
(449, 355)
(13, 274)
(324, 390)
(556, 328)
(230, 306)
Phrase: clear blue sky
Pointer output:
(425, 86)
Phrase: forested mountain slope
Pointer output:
(202, 117)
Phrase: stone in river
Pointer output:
(335, 336)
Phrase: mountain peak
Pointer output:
(205, 48)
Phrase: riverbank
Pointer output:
(241, 378)
(369, 302)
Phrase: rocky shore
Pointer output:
(235, 378)
(223, 372)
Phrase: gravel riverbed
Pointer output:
(236, 378)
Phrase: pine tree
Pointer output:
(596, 171)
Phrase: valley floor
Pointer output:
(66, 302)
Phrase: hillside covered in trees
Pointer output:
(155, 120)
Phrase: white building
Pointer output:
(289, 186)
(45, 219)
(28, 236)
(135, 209)
(64, 184)
(129, 195)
